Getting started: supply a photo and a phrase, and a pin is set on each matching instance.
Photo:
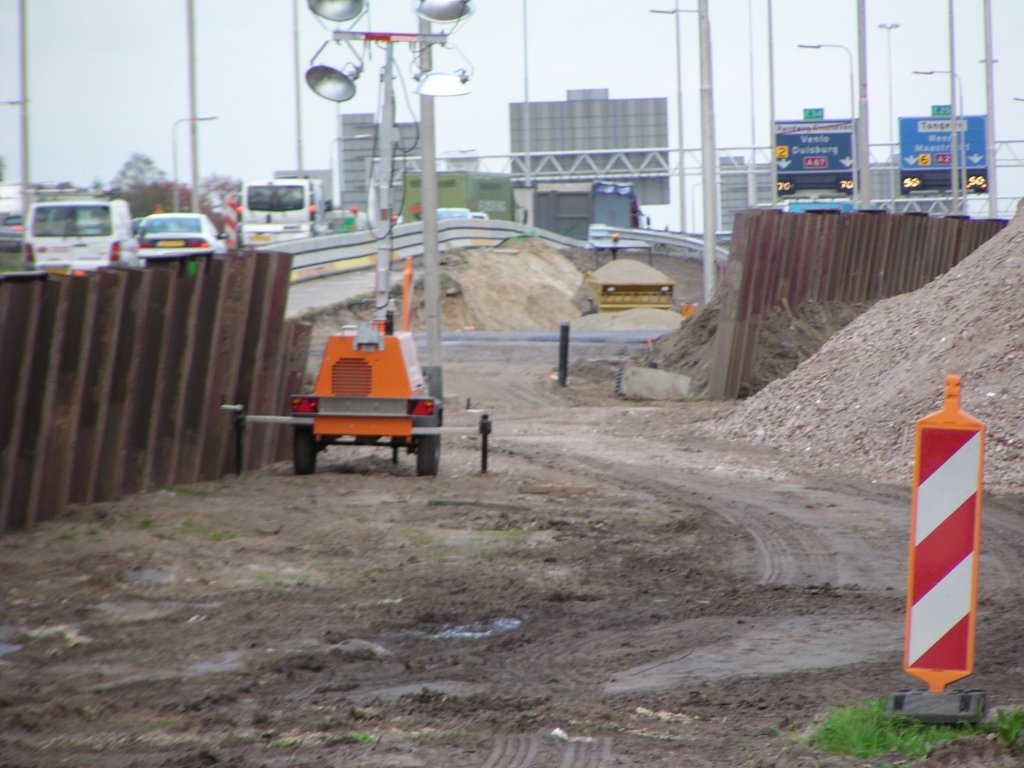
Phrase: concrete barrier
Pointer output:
(654, 384)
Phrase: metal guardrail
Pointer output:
(327, 255)
(688, 246)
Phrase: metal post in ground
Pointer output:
(431, 258)
(707, 137)
(563, 353)
(385, 141)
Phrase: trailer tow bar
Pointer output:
(241, 421)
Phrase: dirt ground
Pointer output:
(662, 599)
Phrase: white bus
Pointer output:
(282, 209)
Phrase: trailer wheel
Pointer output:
(428, 455)
(304, 451)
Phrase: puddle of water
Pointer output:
(776, 648)
(226, 662)
(158, 574)
(9, 648)
(447, 687)
(477, 630)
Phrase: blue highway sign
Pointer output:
(814, 155)
(925, 144)
(814, 146)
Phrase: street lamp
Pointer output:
(853, 120)
(174, 155)
(888, 36)
(990, 113)
(527, 159)
(958, 166)
(679, 114)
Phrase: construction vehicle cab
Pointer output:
(369, 391)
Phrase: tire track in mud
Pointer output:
(513, 752)
(587, 754)
(790, 552)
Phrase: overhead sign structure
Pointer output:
(814, 155)
(945, 527)
(926, 153)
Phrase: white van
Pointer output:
(79, 234)
(282, 209)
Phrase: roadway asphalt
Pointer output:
(328, 290)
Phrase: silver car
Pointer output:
(179, 234)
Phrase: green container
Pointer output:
(489, 193)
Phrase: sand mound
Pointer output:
(629, 272)
(853, 405)
(786, 339)
(517, 287)
(630, 320)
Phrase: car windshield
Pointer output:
(275, 198)
(453, 213)
(172, 225)
(71, 221)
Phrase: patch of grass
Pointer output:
(285, 743)
(91, 532)
(307, 483)
(223, 535)
(99, 690)
(195, 490)
(168, 723)
(1009, 724)
(145, 523)
(262, 576)
(510, 532)
(865, 731)
(434, 555)
(66, 537)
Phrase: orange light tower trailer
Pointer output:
(370, 390)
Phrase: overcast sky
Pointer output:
(109, 77)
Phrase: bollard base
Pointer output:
(947, 707)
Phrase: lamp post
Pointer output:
(708, 160)
(26, 176)
(954, 124)
(192, 112)
(860, 125)
(174, 155)
(853, 120)
(990, 118)
(958, 161)
(751, 177)
(527, 160)
(888, 37)
(679, 114)
(771, 110)
(298, 91)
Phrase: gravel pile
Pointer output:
(640, 319)
(852, 407)
(629, 272)
(787, 338)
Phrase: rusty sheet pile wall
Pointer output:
(826, 256)
(111, 382)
